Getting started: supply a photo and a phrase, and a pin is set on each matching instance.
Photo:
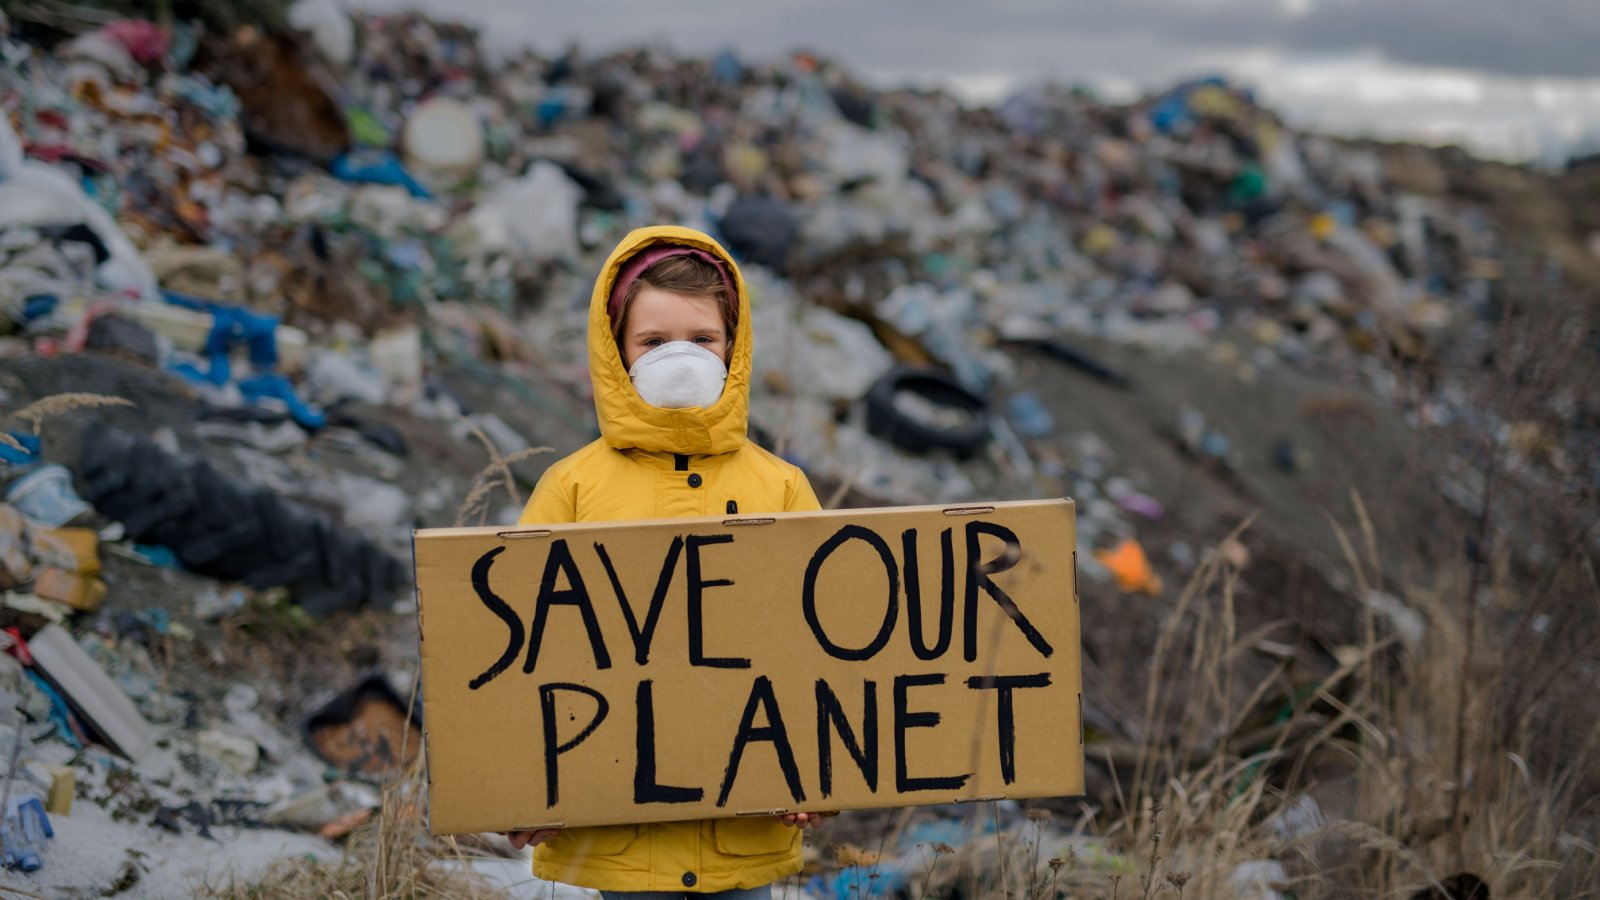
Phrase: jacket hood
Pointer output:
(626, 421)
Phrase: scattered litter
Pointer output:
(1130, 567)
(91, 693)
(231, 750)
(366, 731)
(924, 409)
(46, 495)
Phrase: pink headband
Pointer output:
(644, 259)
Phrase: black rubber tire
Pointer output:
(938, 387)
(233, 530)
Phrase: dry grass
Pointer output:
(391, 856)
(57, 404)
(496, 475)
(1350, 789)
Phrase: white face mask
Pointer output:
(679, 375)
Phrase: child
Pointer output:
(669, 358)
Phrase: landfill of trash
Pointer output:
(271, 298)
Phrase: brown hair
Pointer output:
(687, 276)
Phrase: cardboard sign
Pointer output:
(697, 668)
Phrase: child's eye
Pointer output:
(652, 342)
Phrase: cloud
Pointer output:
(1480, 71)
(1558, 38)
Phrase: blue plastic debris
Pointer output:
(60, 713)
(727, 68)
(162, 557)
(273, 386)
(39, 305)
(561, 102)
(232, 326)
(377, 167)
(1029, 416)
(27, 456)
(26, 828)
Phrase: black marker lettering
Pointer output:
(480, 583)
(761, 695)
(947, 594)
(552, 750)
(575, 594)
(697, 586)
(808, 593)
(1003, 685)
(978, 576)
(904, 720)
(643, 636)
(864, 753)
(645, 789)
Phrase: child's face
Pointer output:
(657, 317)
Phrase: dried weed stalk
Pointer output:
(389, 858)
(1352, 786)
(497, 474)
(56, 404)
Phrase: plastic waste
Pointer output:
(330, 27)
(46, 495)
(1029, 416)
(759, 229)
(1130, 567)
(276, 387)
(534, 217)
(368, 166)
(1258, 880)
(443, 134)
(146, 42)
(854, 153)
(11, 154)
(813, 351)
(37, 195)
(103, 49)
(27, 827)
(21, 458)
(334, 376)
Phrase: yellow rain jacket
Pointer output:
(659, 463)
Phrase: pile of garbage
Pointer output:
(330, 202)
(296, 232)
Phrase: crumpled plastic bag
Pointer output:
(330, 27)
(35, 195)
(1131, 568)
(535, 216)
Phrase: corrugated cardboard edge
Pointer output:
(427, 761)
(537, 530)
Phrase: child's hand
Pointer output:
(803, 820)
(520, 839)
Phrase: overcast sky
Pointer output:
(1509, 77)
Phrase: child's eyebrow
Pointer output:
(717, 330)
